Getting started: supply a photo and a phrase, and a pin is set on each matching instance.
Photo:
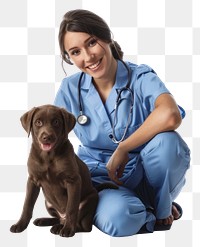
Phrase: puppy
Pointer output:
(65, 180)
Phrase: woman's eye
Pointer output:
(38, 123)
(75, 52)
(92, 42)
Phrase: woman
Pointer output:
(134, 146)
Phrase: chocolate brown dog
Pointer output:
(64, 178)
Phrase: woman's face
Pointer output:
(90, 54)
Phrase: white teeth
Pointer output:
(93, 66)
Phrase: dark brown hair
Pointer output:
(80, 20)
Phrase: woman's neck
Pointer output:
(105, 85)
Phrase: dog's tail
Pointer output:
(105, 186)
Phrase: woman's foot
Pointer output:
(169, 220)
(176, 211)
(165, 224)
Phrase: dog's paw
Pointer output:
(17, 228)
(56, 229)
(46, 221)
(67, 232)
(62, 231)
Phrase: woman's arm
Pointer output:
(165, 117)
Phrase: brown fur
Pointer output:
(64, 178)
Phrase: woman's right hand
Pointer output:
(116, 165)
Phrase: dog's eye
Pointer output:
(38, 123)
(55, 122)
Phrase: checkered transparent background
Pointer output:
(164, 34)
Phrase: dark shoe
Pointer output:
(180, 210)
(162, 227)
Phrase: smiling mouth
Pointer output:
(46, 146)
(95, 65)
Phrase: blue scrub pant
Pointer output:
(154, 183)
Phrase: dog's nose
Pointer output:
(47, 138)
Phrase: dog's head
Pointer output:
(48, 124)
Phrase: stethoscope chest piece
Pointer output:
(82, 119)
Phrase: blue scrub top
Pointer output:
(97, 146)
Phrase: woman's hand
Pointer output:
(116, 165)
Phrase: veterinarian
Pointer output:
(126, 122)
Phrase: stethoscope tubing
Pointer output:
(82, 119)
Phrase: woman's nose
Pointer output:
(88, 56)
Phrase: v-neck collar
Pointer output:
(104, 110)
(120, 82)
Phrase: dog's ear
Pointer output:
(27, 119)
(68, 119)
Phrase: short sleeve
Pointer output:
(149, 86)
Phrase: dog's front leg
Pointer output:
(74, 193)
(32, 192)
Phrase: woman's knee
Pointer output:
(168, 146)
(166, 155)
(165, 141)
(119, 214)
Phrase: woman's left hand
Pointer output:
(116, 165)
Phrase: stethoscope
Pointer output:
(82, 119)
